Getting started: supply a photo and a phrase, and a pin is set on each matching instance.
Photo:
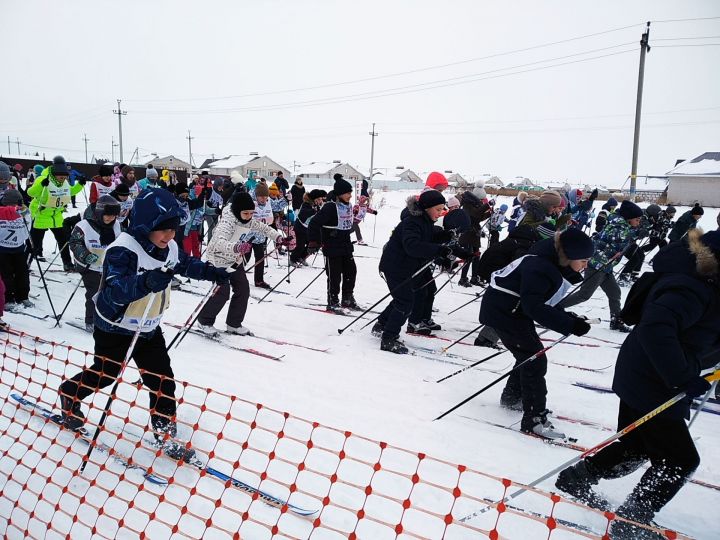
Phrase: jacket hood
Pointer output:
(689, 256)
(524, 233)
(469, 197)
(413, 206)
(545, 248)
(151, 208)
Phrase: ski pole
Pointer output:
(193, 317)
(262, 259)
(504, 376)
(277, 285)
(408, 280)
(43, 272)
(374, 226)
(477, 296)
(453, 274)
(125, 361)
(712, 377)
(57, 323)
(710, 391)
(320, 273)
(42, 275)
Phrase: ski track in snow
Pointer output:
(357, 387)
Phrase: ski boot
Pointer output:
(71, 415)
(348, 301)
(165, 431)
(3, 325)
(616, 323)
(89, 327)
(623, 530)
(237, 330)
(262, 285)
(476, 281)
(432, 325)
(377, 329)
(418, 328)
(464, 282)
(27, 304)
(333, 304)
(578, 481)
(393, 344)
(207, 329)
(68, 267)
(538, 424)
(482, 341)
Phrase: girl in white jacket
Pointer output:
(231, 242)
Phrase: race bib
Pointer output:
(13, 234)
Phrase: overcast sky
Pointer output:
(299, 80)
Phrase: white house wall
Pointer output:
(687, 190)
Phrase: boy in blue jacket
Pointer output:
(138, 268)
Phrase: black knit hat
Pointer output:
(697, 210)
(241, 201)
(105, 170)
(576, 244)
(337, 176)
(430, 198)
(341, 186)
(121, 189)
(671, 210)
(317, 193)
(181, 188)
(11, 197)
(629, 210)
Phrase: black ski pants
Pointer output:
(653, 243)
(258, 254)
(593, 280)
(666, 442)
(16, 275)
(528, 382)
(425, 289)
(37, 236)
(238, 301)
(91, 282)
(393, 317)
(301, 240)
(149, 355)
(341, 271)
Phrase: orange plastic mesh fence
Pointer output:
(351, 486)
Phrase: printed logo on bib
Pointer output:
(345, 216)
(13, 234)
(58, 197)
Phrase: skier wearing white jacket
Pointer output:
(231, 242)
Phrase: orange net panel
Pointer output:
(262, 473)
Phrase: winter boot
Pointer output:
(578, 481)
(207, 329)
(432, 325)
(68, 267)
(3, 325)
(12, 307)
(482, 341)
(71, 415)
(377, 329)
(623, 530)
(27, 304)
(538, 424)
(418, 328)
(89, 327)
(262, 285)
(476, 281)
(333, 303)
(348, 301)
(616, 323)
(165, 431)
(393, 344)
(464, 282)
(238, 330)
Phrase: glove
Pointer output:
(462, 253)
(441, 236)
(45, 182)
(642, 233)
(697, 387)
(82, 180)
(91, 259)
(156, 280)
(221, 276)
(313, 248)
(580, 327)
(282, 241)
(242, 247)
(444, 252)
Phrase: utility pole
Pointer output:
(17, 140)
(120, 114)
(86, 141)
(644, 48)
(372, 152)
(114, 144)
(190, 138)
(9, 151)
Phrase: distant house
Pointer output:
(167, 162)
(493, 182)
(261, 166)
(323, 170)
(408, 175)
(697, 180)
(455, 179)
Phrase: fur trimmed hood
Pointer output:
(688, 256)
(413, 206)
(706, 263)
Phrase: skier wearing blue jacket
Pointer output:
(138, 268)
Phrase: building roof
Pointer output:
(316, 167)
(705, 164)
(230, 162)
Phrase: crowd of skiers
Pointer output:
(136, 236)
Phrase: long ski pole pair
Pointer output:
(286, 278)
(42, 275)
(454, 273)
(59, 318)
(711, 378)
(477, 297)
(402, 284)
(320, 273)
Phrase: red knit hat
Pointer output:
(436, 179)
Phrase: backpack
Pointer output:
(635, 301)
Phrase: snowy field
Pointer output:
(386, 397)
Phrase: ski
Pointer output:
(567, 442)
(594, 345)
(79, 326)
(83, 436)
(219, 339)
(28, 314)
(582, 368)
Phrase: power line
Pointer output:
(397, 74)
(686, 20)
(688, 45)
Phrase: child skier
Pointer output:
(13, 250)
(331, 228)
(264, 214)
(137, 269)
(410, 246)
(673, 342)
(359, 211)
(312, 202)
(88, 242)
(101, 184)
(523, 293)
(496, 222)
(231, 243)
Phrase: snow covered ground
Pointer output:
(393, 398)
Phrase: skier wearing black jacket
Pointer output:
(528, 291)
(331, 228)
(412, 244)
(311, 204)
(478, 211)
(676, 338)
